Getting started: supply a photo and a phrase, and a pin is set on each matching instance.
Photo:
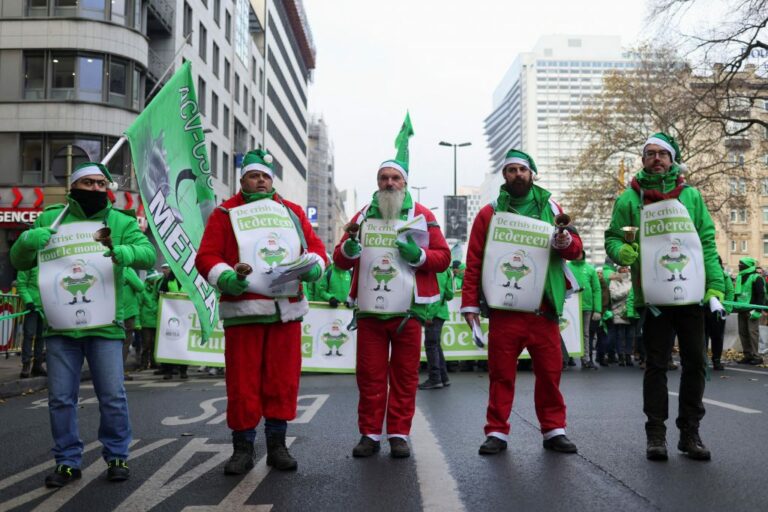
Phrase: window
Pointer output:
(118, 82)
(226, 74)
(245, 99)
(215, 60)
(745, 246)
(764, 186)
(217, 12)
(733, 245)
(136, 89)
(765, 245)
(205, 3)
(118, 11)
(201, 95)
(253, 142)
(202, 42)
(32, 159)
(228, 26)
(187, 20)
(737, 186)
(90, 78)
(253, 69)
(90, 8)
(237, 88)
(739, 215)
(225, 167)
(261, 119)
(37, 8)
(261, 79)
(214, 109)
(253, 109)
(225, 122)
(765, 214)
(34, 76)
(62, 77)
(214, 160)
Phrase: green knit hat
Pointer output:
(667, 142)
(748, 262)
(90, 169)
(398, 165)
(515, 156)
(257, 160)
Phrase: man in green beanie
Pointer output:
(262, 317)
(749, 289)
(670, 222)
(62, 246)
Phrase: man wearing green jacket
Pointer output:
(334, 286)
(26, 281)
(591, 301)
(82, 298)
(674, 270)
(714, 325)
(132, 287)
(749, 289)
(148, 317)
(437, 314)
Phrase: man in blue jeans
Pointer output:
(81, 292)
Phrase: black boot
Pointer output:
(25, 369)
(38, 370)
(690, 444)
(241, 460)
(277, 453)
(717, 365)
(656, 449)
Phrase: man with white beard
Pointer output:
(394, 280)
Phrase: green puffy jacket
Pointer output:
(729, 291)
(586, 275)
(334, 283)
(149, 298)
(132, 287)
(26, 284)
(440, 309)
(626, 212)
(125, 231)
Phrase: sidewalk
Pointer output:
(11, 383)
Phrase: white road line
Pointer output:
(439, 490)
(23, 475)
(724, 405)
(160, 385)
(747, 371)
(235, 500)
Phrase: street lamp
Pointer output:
(463, 144)
(418, 192)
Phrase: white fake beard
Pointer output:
(390, 203)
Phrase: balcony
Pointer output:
(160, 17)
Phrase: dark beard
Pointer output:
(91, 201)
(519, 187)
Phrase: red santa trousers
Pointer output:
(509, 333)
(376, 365)
(263, 368)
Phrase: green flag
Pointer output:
(171, 162)
(401, 142)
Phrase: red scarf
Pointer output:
(652, 196)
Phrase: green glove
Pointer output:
(314, 274)
(409, 251)
(123, 255)
(628, 254)
(229, 283)
(755, 315)
(713, 293)
(37, 238)
(607, 315)
(351, 248)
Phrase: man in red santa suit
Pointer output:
(394, 279)
(515, 259)
(262, 318)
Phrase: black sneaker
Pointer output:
(691, 445)
(446, 382)
(117, 470)
(560, 444)
(366, 447)
(430, 384)
(62, 475)
(656, 449)
(398, 448)
(492, 446)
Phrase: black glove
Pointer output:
(333, 302)
(30, 306)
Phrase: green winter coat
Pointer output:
(132, 287)
(149, 298)
(729, 292)
(334, 283)
(440, 309)
(626, 212)
(125, 231)
(589, 283)
(26, 284)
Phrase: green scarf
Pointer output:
(527, 206)
(257, 196)
(662, 182)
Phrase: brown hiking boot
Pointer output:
(366, 447)
(690, 444)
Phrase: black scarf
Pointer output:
(91, 201)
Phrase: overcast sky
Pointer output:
(441, 59)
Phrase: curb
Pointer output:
(17, 387)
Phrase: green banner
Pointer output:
(171, 161)
(401, 142)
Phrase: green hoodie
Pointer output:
(536, 205)
(149, 299)
(334, 283)
(440, 309)
(125, 231)
(26, 283)
(586, 275)
(626, 212)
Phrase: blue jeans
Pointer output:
(65, 362)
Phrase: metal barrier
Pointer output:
(12, 313)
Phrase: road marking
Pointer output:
(235, 500)
(747, 371)
(160, 487)
(724, 405)
(152, 384)
(208, 411)
(307, 412)
(439, 490)
(23, 475)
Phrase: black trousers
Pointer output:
(714, 328)
(659, 337)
